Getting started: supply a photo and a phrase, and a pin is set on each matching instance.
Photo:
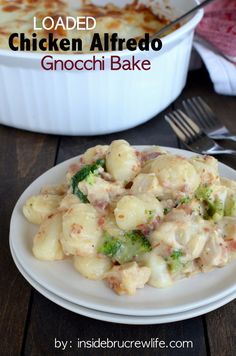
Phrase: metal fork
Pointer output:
(192, 136)
(200, 111)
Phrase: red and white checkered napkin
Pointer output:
(218, 27)
(216, 44)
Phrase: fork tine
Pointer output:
(190, 108)
(196, 112)
(178, 122)
(201, 112)
(205, 120)
(189, 123)
(176, 129)
(208, 111)
(184, 126)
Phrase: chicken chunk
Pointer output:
(146, 183)
(125, 279)
(215, 253)
(101, 192)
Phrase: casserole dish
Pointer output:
(96, 102)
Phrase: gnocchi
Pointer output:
(80, 230)
(132, 218)
(46, 243)
(131, 212)
(121, 161)
(92, 267)
(175, 174)
(38, 207)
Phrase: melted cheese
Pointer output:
(131, 21)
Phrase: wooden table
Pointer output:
(30, 322)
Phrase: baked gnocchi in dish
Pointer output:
(132, 217)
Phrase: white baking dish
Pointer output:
(97, 102)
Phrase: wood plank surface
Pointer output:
(49, 322)
(23, 157)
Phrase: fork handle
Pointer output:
(224, 137)
(219, 152)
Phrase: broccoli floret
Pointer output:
(184, 200)
(110, 245)
(214, 208)
(150, 215)
(125, 248)
(87, 172)
(174, 261)
(176, 254)
(166, 211)
(90, 179)
(230, 207)
(203, 193)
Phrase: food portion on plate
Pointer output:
(133, 217)
(131, 21)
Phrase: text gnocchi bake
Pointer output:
(131, 217)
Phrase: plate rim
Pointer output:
(119, 309)
(117, 318)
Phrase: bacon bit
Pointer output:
(75, 167)
(187, 209)
(76, 229)
(101, 221)
(139, 154)
(50, 216)
(128, 185)
(101, 205)
(112, 282)
(4, 33)
(207, 229)
(146, 229)
(232, 245)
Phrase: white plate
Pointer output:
(62, 279)
(122, 319)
